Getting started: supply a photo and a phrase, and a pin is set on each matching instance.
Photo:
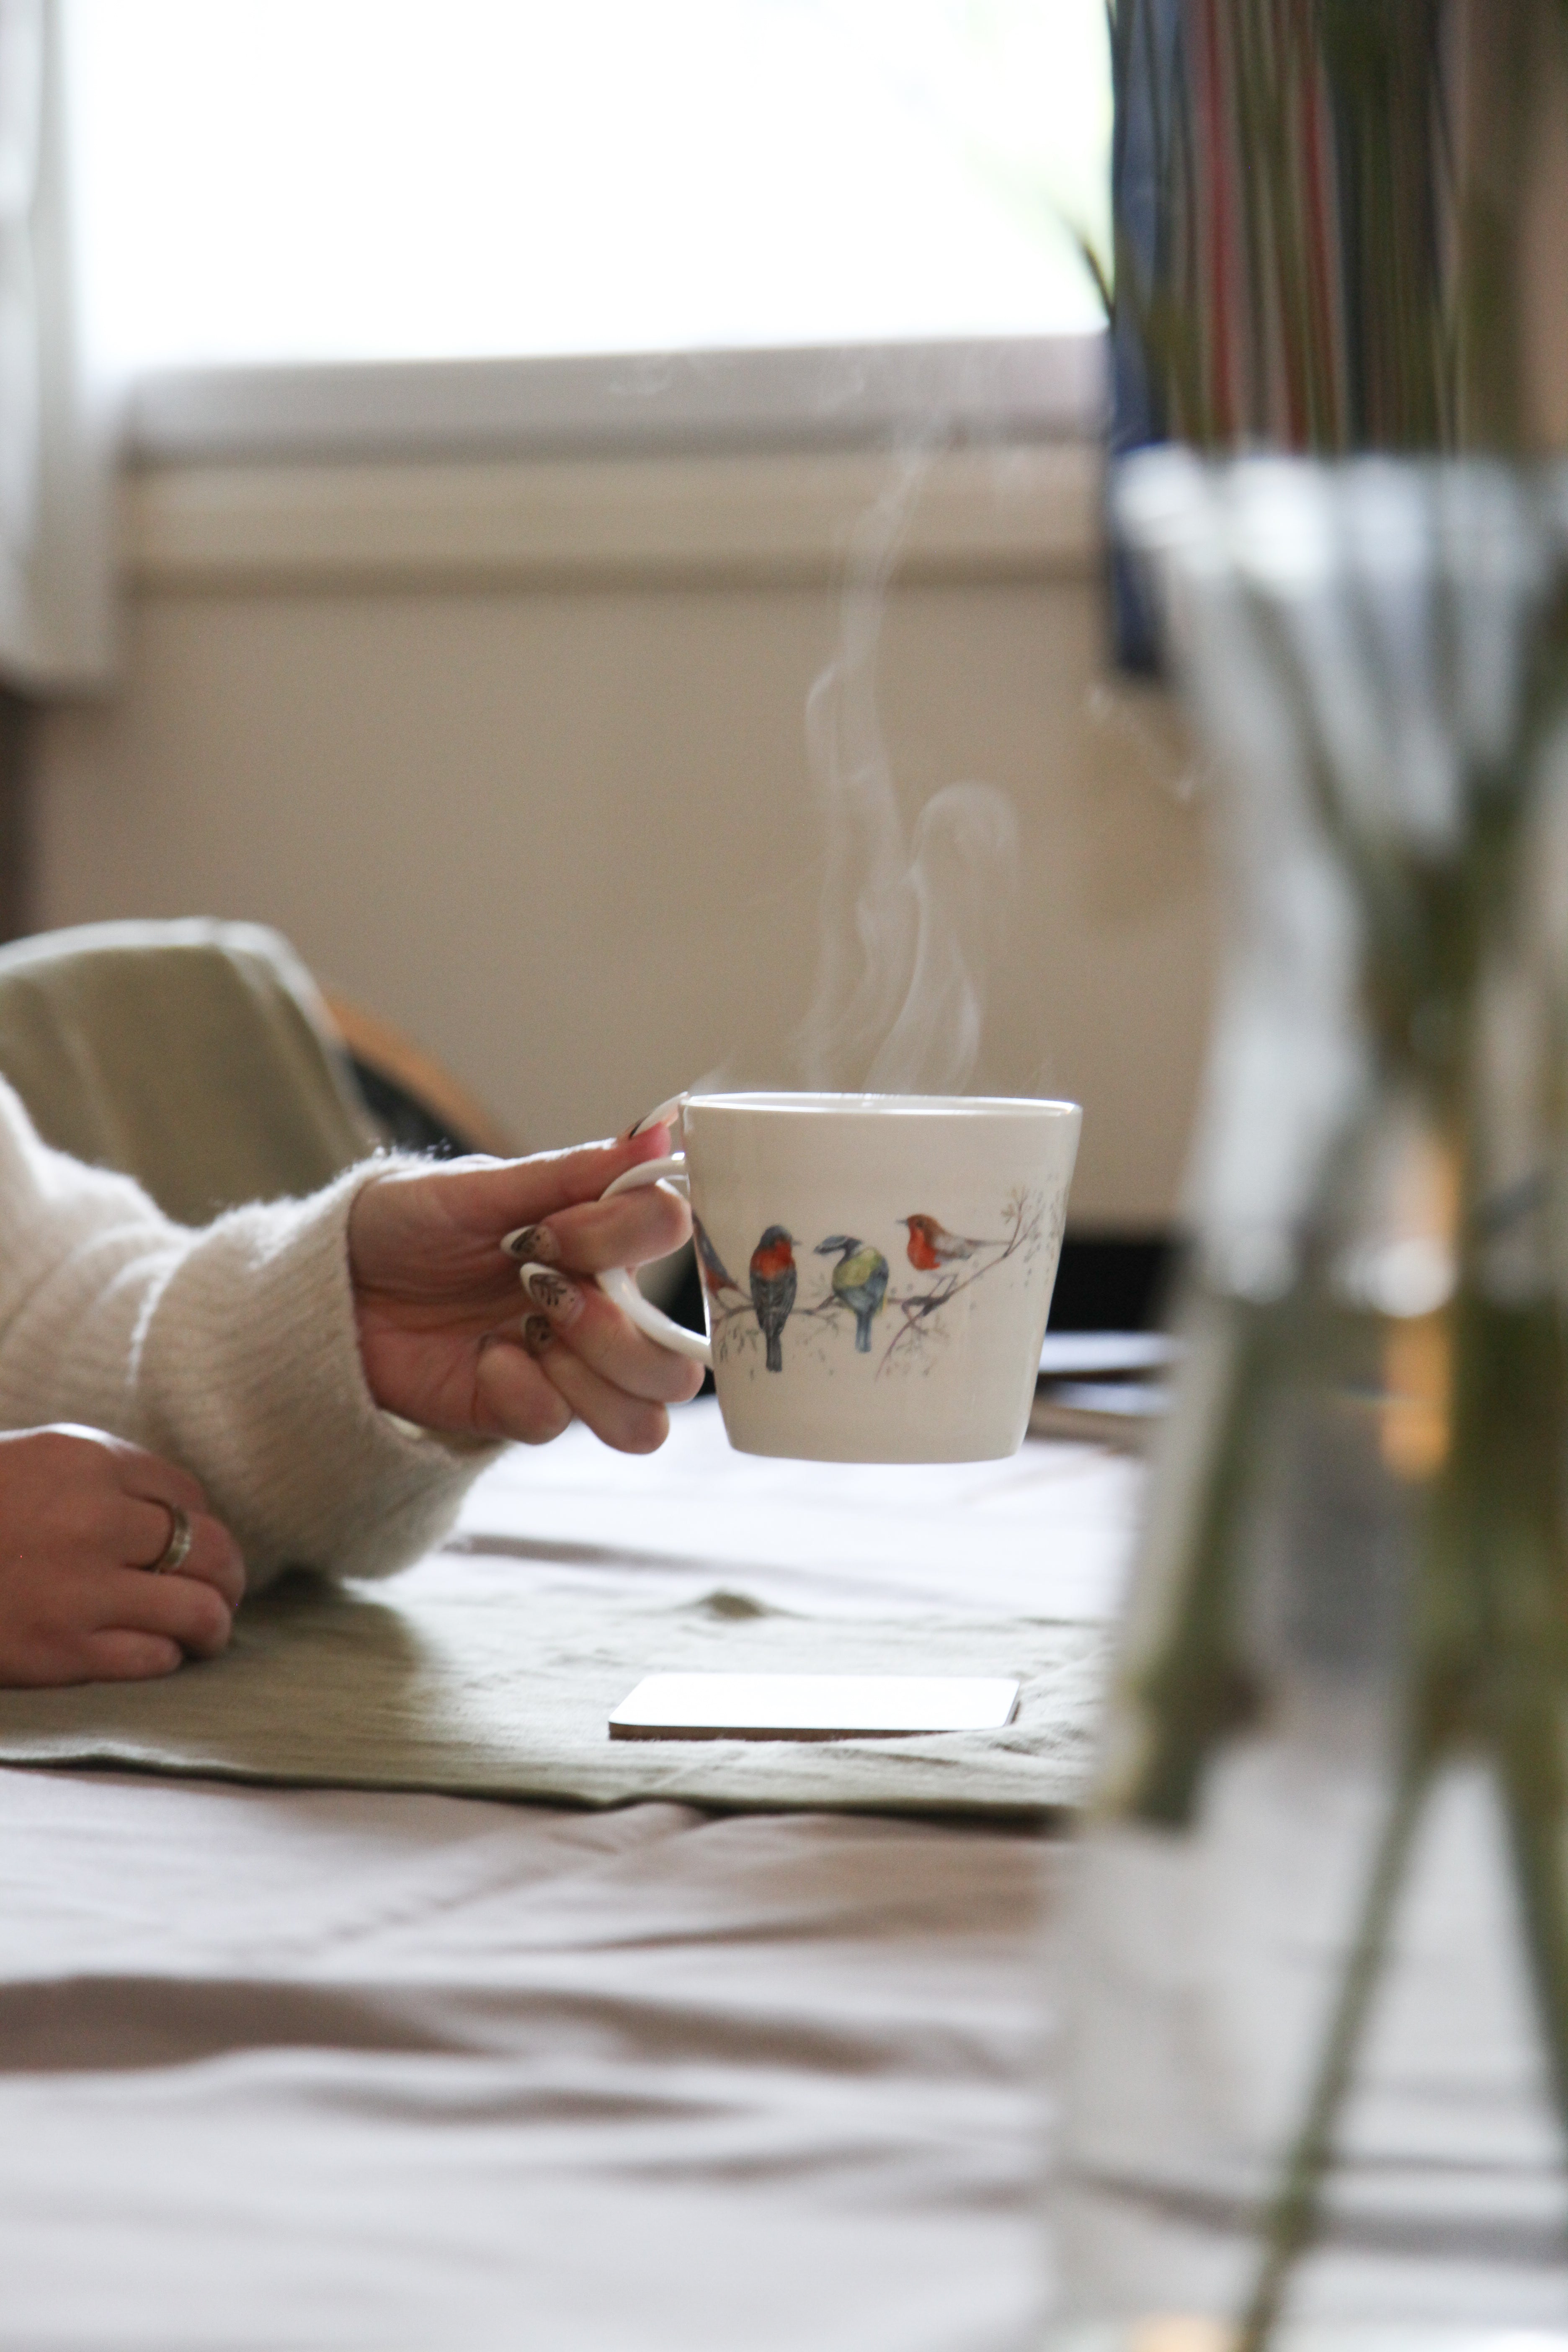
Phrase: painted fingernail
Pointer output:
(533, 1242)
(665, 1116)
(537, 1333)
(557, 1293)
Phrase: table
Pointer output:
(306, 2067)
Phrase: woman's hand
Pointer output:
(82, 1517)
(451, 1340)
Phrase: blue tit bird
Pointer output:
(859, 1282)
(772, 1289)
(716, 1275)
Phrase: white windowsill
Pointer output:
(747, 466)
(1042, 388)
(1013, 514)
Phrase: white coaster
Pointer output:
(812, 1706)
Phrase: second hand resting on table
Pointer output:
(448, 1341)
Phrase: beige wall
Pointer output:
(565, 832)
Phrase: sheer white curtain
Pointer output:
(54, 540)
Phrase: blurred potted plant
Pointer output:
(1318, 2040)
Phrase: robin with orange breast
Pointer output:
(773, 1289)
(931, 1246)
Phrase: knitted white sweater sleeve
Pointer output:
(231, 1349)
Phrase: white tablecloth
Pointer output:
(299, 2068)
(1045, 1534)
(329, 2069)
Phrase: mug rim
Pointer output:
(779, 1102)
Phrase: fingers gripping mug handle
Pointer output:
(618, 1284)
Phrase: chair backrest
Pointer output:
(197, 1057)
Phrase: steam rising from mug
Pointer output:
(907, 933)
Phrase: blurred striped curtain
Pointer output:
(1287, 232)
(1328, 230)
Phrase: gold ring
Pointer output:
(178, 1550)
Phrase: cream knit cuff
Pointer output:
(249, 1366)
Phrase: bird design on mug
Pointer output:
(772, 1289)
(716, 1275)
(859, 1282)
(931, 1246)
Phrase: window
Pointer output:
(307, 180)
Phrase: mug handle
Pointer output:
(619, 1284)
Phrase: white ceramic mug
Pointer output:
(877, 1269)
